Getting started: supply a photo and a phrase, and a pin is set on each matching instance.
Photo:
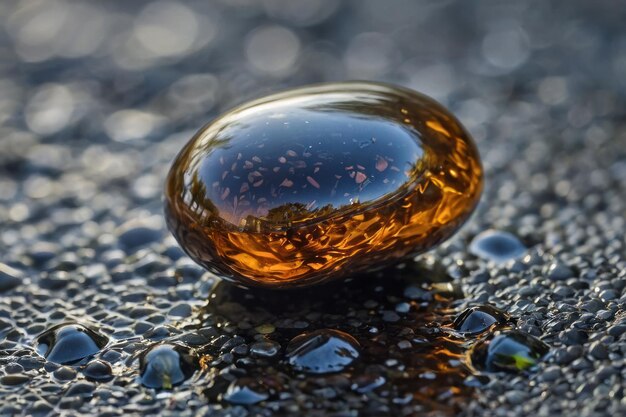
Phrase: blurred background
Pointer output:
(96, 98)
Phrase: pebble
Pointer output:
(81, 388)
(136, 234)
(245, 392)
(367, 383)
(65, 373)
(478, 319)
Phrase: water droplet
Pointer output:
(497, 246)
(265, 328)
(322, 351)
(166, 365)
(245, 391)
(69, 343)
(478, 319)
(510, 351)
(98, 371)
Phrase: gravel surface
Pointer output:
(96, 99)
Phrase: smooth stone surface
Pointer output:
(497, 246)
(69, 343)
(322, 351)
(321, 182)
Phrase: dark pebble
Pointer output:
(322, 351)
(80, 388)
(617, 330)
(573, 337)
(164, 366)
(478, 319)
(497, 246)
(14, 379)
(65, 373)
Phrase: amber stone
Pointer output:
(321, 182)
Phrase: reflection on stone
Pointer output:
(321, 182)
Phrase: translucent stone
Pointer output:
(321, 182)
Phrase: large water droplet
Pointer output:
(497, 246)
(322, 351)
(510, 351)
(166, 365)
(69, 343)
(478, 319)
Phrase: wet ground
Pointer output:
(102, 314)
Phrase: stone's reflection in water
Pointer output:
(389, 320)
